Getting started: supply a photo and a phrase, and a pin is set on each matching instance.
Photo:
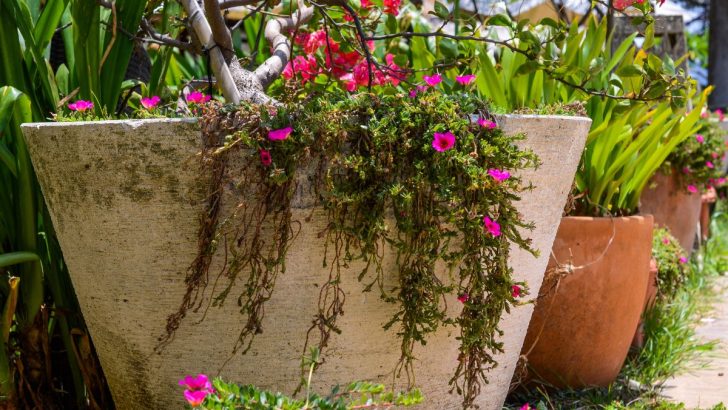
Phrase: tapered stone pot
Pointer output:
(125, 199)
(590, 302)
(673, 207)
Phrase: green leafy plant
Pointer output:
(698, 160)
(671, 262)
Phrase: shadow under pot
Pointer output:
(590, 303)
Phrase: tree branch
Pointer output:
(217, 60)
(162, 39)
(281, 54)
(220, 33)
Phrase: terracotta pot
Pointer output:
(585, 318)
(650, 296)
(125, 199)
(673, 207)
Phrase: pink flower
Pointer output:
(465, 79)
(391, 6)
(709, 164)
(491, 226)
(306, 67)
(487, 123)
(498, 174)
(515, 291)
(666, 241)
(196, 97)
(280, 135)
(720, 114)
(366, 3)
(721, 181)
(265, 158)
(683, 259)
(525, 407)
(443, 141)
(692, 189)
(200, 382)
(686, 170)
(700, 138)
(195, 398)
(433, 80)
(463, 298)
(151, 102)
(81, 106)
(714, 155)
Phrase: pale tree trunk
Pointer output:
(718, 54)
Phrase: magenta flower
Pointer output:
(487, 123)
(197, 97)
(195, 398)
(433, 80)
(491, 226)
(665, 241)
(463, 298)
(683, 259)
(720, 114)
(151, 102)
(700, 138)
(280, 134)
(692, 189)
(515, 291)
(265, 158)
(499, 175)
(81, 106)
(200, 382)
(721, 181)
(709, 164)
(443, 141)
(525, 407)
(465, 79)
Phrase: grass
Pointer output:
(671, 344)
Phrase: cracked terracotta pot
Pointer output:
(673, 207)
(125, 200)
(591, 301)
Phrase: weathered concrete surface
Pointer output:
(125, 199)
(706, 384)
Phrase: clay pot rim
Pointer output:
(614, 218)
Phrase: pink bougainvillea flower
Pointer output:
(150, 102)
(499, 175)
(721, 181)
(433, 80)
(526, 406)
(686, 170)
(307, 67)
(81, 106)
(665, 241)
(465, 79)
(196, 97)
(413, 93)
(487, 123)
(692, 189)
(516, 291)
(392, 6)
(196, 397)
(265, 158)
(443, 141)
(714, 155)
(491, 226)
(280, 134)
(720, 114)
(463, 298)
(709, 164)
(700, 138)
(683, 259)
(366, 3)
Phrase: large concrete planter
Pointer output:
(125, 200)
(673, 207)
(591, 301)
